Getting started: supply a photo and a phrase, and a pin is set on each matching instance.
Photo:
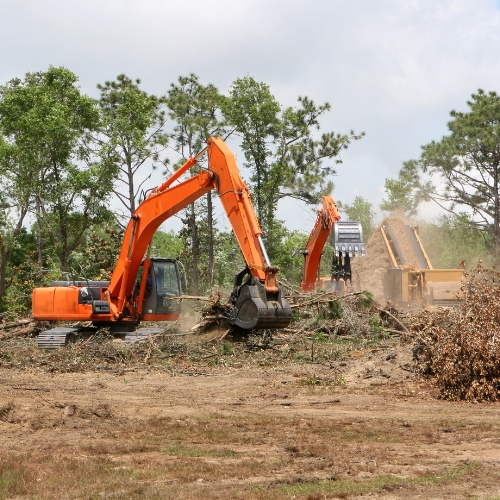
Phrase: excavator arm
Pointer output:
(258, 302)
(269, 309)
(327, 216)
(348, 241)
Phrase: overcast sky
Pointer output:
(391, 68)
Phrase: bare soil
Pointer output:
(333, 419)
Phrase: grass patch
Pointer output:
(193, 451)
(374, 485)
(12, 481)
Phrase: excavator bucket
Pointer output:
(254, 308)
(348, 242)
(348, 239)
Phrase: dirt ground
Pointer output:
(244, 424)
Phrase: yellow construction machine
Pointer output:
(412, 281)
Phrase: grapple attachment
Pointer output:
(254, 308)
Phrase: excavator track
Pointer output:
(142, 334)
(55, 338)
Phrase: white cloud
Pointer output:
(393, 69)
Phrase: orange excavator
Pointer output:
(149, 288)
(347, 242)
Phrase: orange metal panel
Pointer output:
(155, 210)
(42, 302)
(314, 247)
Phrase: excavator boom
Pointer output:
(258, 301)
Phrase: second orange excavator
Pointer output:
(347, 242)
(144, 288)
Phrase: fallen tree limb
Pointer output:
(391, 330)
(22, 322)
(205, 321)
(320, 299)
(194, 297)
(395, 319)
(20, 333)
(42, 389)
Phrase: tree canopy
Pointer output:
(361, 211)
(63, 155)
(462, 170)
(196, 111)
(281, 147)
(44, 119)
(130, 137)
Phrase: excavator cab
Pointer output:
(163, 290)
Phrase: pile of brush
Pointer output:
(461, 348)
(353, 314)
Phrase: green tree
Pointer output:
(99, 253)
(195, 243)
(289, 256)
(28, 275)
(131, 136)
(464, 166)
(167, 244)
(228, 259)
(196, 111)
(43, 120)
(452, 238)
(14, 204)
(254, 112)
(405, 193)
(281, 149)
(361, 211)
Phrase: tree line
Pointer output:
(461, 174)
(64, 156)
